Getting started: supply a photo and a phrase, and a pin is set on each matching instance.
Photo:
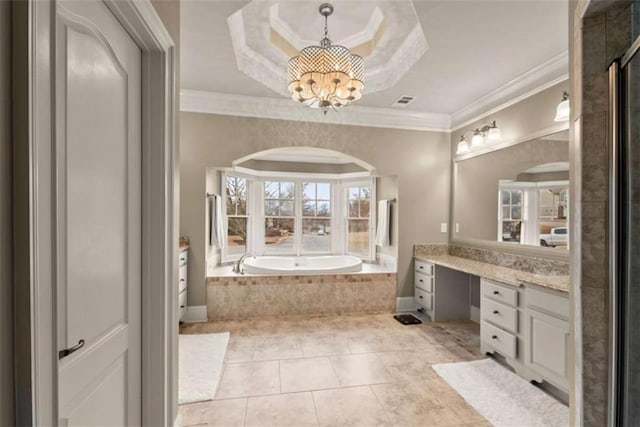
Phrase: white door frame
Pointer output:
(34, 140)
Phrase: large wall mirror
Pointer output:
(518, 195)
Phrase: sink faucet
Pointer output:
(237, 268)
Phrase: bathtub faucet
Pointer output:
(237, 268)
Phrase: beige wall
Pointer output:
(6, 229)
(477, 180)
(418, 159)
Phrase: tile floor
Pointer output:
(365, 370)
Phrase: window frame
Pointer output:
(225, 256)
(295, 218)
(370, 182)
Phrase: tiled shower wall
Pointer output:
(599, 36)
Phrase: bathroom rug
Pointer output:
(201, 360)
(502, 397)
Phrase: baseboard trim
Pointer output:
(405, 304)
(195, 314)
(475, 314)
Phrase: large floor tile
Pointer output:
(407, 404)
(223, 413)
(307, 374)
(360, 369)
(324, 345)
(353, 406)
(275, 348)
(249, 379)
(295, 409)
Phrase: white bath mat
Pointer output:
(501, 396)
(201, 362)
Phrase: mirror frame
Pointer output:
(527, 250)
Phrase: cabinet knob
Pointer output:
(182, 280)
(496, 292)
(182, 306)
(496, 312)
(420, 296)
(181, 259)
(420, 280)
(494, 337)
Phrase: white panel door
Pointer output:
(98, 205)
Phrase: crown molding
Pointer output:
(284, 109)
(528, 84)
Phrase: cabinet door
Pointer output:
(547, 347)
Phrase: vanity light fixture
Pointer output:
(326, 76)
(487, 133)
(563, 109)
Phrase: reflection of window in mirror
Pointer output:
(510, 216)
(534, 213)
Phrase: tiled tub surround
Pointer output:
(244, 296)
(512, 269)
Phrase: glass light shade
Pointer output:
(326, 76)
(463, 147)
(477, 140)
(494, 134)
(562, 111)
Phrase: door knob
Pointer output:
(68, 351)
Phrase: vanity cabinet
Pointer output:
(182, 283)
(500, 319)
(529, 327)
(441, 293)
(547, 335)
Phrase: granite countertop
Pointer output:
(498, 273)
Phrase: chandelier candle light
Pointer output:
(326, 76)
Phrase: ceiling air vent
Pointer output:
(404, 101)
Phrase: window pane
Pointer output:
(506, 213)
(516, 213)
(506, 197)
(271, 190)
(516, 197)
(231, 206)
(236, 236)
(511, 231)
(278, 235)
(364, 208)
(309, 209)
(308, 191)
(287, 190)
(323, 191)
(354, 209)
(324, 209)
(354, 193)
(316, 235)
(286, 209)
(271, 207)
(358, 237)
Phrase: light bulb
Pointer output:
(494, 134)
(463, 146)
(477, 140)
(563, 109)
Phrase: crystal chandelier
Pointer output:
(326, 76)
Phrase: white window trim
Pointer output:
(256, 215)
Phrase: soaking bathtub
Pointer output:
(302, 265)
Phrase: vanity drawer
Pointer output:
(182, 303)
(424, 299)
(182, 257)
(182, 278)
(500, 293)
(423, 282)
(504, 342)
(499, 314)
(553, 303)
(424, 267)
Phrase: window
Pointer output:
(358, 216)
(280, 221)
(316, 217)
(511, 215)
(237, 215)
